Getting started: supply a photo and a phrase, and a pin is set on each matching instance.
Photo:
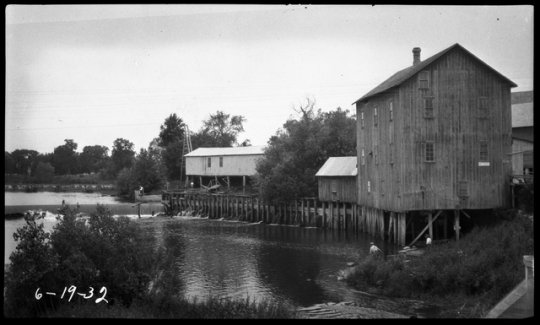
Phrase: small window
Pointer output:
(423, 80)
(209, 162)
(362, 118)
(220, 161)
(334, 186)
(363, 158)
(382, 186)
(428, 107)
(482, 108)
(463, 189)
(368, 186)
(430, 151)
(391, 153)
(375, 116)
(376, 154)
(391, 110)
(483, 151)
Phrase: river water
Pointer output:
(294, 265)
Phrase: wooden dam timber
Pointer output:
(306, 212)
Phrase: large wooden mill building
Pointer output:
(434, 141)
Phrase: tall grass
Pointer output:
(483, 266)
(169, 307)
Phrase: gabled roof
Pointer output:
(339, 166)
(402, 75)
(228, 151)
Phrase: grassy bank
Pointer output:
(466, 277)
(156, 307)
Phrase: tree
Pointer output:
(122, 155)
(65, 158)
(298, 150)
(44, 172)
(93, 158)
(172, 130)
(144, 172)
(23, 159)
(219, 130)
(171, 140)
(9, 163)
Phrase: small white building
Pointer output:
(222, 164)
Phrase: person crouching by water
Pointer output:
(428, 241)
(374, 250)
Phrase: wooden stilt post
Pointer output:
(425, 228)
(456, 223)
(200, 181)
(430, 223)
(228, 181)
(332, 225)
(403, 228)
(315, 214)
(244, 184)
(295, 211)
(303, 214)
(445, 225)
(390, 228)
(308, 213)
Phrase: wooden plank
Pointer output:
(430, 224)
(425, 228)
(456, 223)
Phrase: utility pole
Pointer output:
(186, 148)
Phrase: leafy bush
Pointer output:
(486, 262)
(100, 252)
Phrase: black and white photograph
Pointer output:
(269, 161)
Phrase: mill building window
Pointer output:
(423, 80)
(482, 108)
(209, 162)
(430, 151)
(363, 158)
(391, 110)
(428, 107)
(375, 116)
(483, 151)
(220, 161)
(362, 119)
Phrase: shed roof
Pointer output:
(401, 76)
(228, 151)
(522, 115)
(339, 166)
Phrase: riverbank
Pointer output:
(466, 277)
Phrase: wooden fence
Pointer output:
(307, 212)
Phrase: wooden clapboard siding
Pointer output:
(345, 189)
(232, 165)
(456, 81)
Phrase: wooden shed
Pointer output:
(522, 133)
(337, 180)
(436, 136)
(223, 164)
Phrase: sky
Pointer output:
(96, 73)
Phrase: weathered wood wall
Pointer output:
(345, 188)
(409, 183)
(232, 165)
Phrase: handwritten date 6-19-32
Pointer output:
(72, 290)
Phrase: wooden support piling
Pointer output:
(430, 223)
(456, 223)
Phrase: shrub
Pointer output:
(487, 262)
(103, 252)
